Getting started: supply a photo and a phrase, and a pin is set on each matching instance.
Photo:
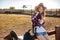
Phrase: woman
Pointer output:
(38, 22)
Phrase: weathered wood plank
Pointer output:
(57, 36)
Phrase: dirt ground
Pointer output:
(21, 23)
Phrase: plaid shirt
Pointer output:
(35, 20)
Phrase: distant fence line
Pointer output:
(49, 12)
(53, 12)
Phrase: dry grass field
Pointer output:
(21, 23)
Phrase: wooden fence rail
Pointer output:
(56, 32)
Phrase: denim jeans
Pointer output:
(41, 33)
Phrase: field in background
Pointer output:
(21, 23)
(49, 12)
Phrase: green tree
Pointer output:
(24, 6)
(12, 8)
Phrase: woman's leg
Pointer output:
(46, 36)
(41, 37)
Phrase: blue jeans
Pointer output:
(41, 33)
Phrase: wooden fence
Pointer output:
(53, 12)
(57, 35)
(56, 32)
(49, 12)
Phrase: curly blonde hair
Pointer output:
(37, 9)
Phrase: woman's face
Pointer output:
(41, 9)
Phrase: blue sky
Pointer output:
(29, 3)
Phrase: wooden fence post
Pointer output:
(57, 35)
